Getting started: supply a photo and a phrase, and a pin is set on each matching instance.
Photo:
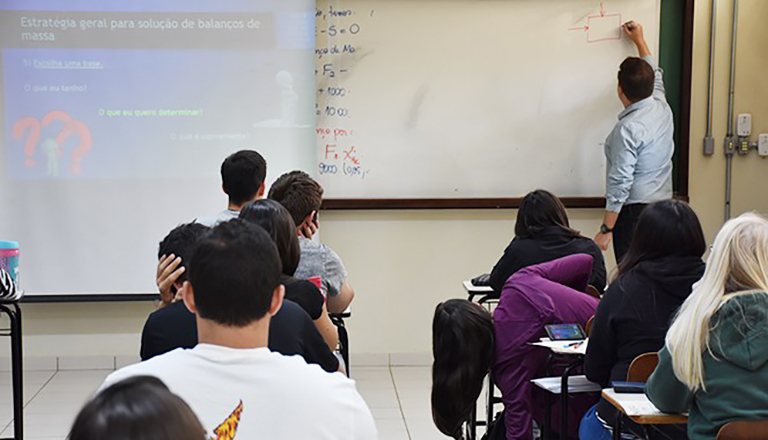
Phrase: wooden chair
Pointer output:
(642, 366)
(588, 327)
(593, 292)
(744, 430)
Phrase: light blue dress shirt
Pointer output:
(639, 150)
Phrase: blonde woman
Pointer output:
(715, 362)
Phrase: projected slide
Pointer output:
(121, 89)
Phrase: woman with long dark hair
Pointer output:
(141, 407)
(277, 221)
(543, 233)
(462, 345)
(464, 341)
(654, 279)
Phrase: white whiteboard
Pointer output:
(464, 98)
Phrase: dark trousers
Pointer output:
(624, 229)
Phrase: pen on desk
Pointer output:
(575, 344)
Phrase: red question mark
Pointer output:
(86, 141)
(33, 126)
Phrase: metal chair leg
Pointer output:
(17, 379)
(617, 427)
(489, 408)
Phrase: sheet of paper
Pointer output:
(641, 408)
(564, 347)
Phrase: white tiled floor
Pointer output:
(398, 398)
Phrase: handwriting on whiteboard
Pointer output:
(339, 154)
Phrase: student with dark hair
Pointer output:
(230, 379)
(462, 347)
(139, 407)
(536, 296)
(276, 220)
(291, 330)
(243, 175)
(654, 279)
(302, 196)
(172, 251)
(639, 149)
(172, 326)
(543, 233)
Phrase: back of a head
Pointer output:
(180, 242)
(737, 264)
(540, 209)
(234, 272)
(299, 193)
(242, 175)
(463, 350)
(277, 221)
(664, 229)
(636, 78)
(140, 407)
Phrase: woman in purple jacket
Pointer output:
(540, 295)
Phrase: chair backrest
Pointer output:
(642, 366)
(593, 292)
(744, 430)
(588, 327)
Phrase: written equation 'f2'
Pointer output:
(601, 27)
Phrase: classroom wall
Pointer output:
(750, 172)
(402, 263)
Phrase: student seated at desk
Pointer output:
(715, 361)
(242, 179)
(543, 233)
(291, 331)
(655, 277)
(463, 346)
(548, 293)
(233, 383)
(276, 220)
(302, 196)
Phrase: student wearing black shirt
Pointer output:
(654, 279)
(542, 234)
(291, 330)
(277, 221)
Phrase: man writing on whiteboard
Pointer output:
(639, 150)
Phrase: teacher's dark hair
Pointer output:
(540, 210)
(277, 221)
(462, 346)
(636, 78)
(140, 407)
(664, 229)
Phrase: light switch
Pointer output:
(762, 144)
(744, 125)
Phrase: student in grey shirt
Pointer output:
(639, 149)
(302, 196)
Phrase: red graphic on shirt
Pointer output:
(228, 429)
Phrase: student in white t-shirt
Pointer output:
(236, 386)
(242, 178)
